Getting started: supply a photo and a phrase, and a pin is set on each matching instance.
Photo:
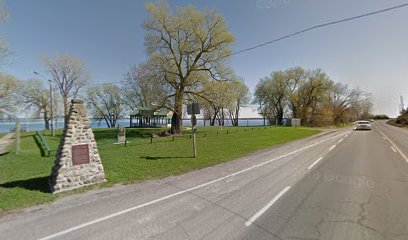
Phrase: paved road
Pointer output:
(340, 185)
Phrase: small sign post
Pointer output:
(121, 134)
(194, 109)
(193, 123)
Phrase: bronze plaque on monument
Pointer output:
(80, 154)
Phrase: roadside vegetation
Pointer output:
(400, 121)
(24, 177)
(312, 96)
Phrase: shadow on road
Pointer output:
(33, 184)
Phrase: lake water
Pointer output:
(38, 124)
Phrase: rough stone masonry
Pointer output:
(78, 162)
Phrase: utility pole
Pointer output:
(402, 107)
(52, 110)
(51, 103)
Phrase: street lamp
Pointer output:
(51, 104)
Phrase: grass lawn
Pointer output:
(24, 177)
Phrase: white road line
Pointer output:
(264, 209)
(393, 149)
(393, 144)
(89, 223)
(332, 147)
(314, 163)
(341, 140)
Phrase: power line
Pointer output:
(320, 26)
(300, 32)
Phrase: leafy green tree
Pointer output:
(312, 96)
(187, 47)
(272, 95)
(9, 97)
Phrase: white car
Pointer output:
(363, 125)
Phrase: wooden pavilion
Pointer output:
(149, 117)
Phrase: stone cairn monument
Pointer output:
(78, 162)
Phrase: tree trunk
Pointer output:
(46, 120)
(212, 120)
(112, 121)
(280, 116)
(295, 113)
(65, 98)
(176, 119)
(236, 119)
(222, 117)
(107, 122)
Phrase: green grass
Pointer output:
(24, 177)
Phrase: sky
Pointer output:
(370, 53)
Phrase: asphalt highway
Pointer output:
(341, 184)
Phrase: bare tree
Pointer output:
(105, 103)
(141, 88)
(69, 74)
(187, 47)
(215, 101)
(35, 96)
(238, 96)
(343, 102)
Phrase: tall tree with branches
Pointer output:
(36, 97)
(272, 94)
(69, 74)
(238, 96)
(187, 47)
(141, 88)
(8, 94)
(105, 103)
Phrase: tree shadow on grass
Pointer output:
(4, 153)
(33, 184)
(163, 158)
